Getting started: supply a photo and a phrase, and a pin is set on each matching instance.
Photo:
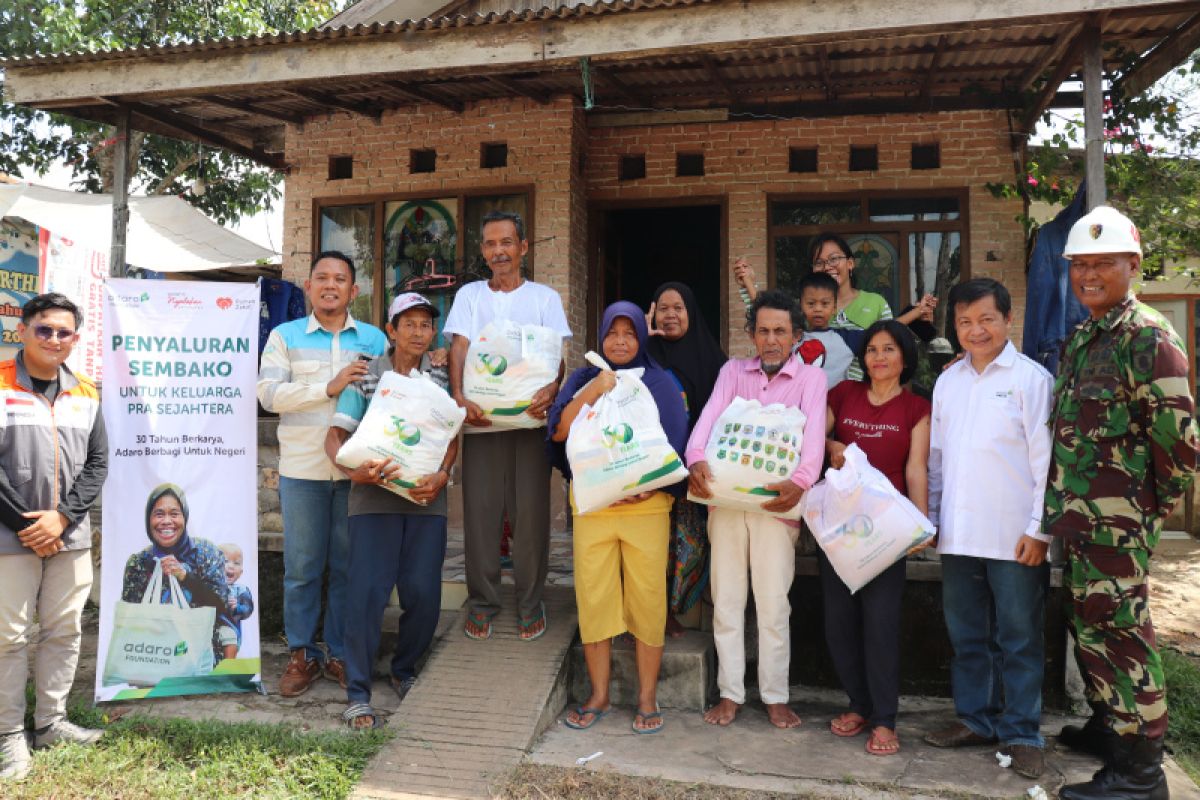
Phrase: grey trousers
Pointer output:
(51, 591)
(506, 472)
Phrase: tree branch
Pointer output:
(164, 183)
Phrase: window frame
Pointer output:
(379, 200)
(961, 226)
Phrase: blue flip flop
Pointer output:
(596, 713)
(656, 714)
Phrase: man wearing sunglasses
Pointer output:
(53, 460)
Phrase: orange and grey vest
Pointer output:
(44, 445)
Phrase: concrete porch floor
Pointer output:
(809, 761)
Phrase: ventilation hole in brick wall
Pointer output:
(802, 159)
(341, 167)
(689, 165)
(631, 168)
(926, 156)
(422, 161)
(493, 155)
(864, 158)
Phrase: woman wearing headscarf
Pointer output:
(682, 344)
(197, 564)
(620, 552)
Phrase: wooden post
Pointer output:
(120, 198)
(1093, 114)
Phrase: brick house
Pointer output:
(643, 140)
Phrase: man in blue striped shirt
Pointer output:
(305, 366)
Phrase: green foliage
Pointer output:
(141, 757)
(1183, 704)
(1152, 165)
(33, 140)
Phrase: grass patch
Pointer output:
(1183, 701)
(141, 758)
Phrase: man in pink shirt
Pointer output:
(750, 548)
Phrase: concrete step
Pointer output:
(686, 681)
(477, 707)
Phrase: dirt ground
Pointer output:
(1175, 594)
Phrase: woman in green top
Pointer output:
(857, 310)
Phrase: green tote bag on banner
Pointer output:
(153, 640)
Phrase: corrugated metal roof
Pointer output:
(376, 29)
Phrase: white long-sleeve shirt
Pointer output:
(989, 455)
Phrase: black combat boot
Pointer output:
(1090, 737)
(1132, 771)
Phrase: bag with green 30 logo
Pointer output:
(410, 420)
(617, 448)
(506, 366)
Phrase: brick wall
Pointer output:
(543, 144)
(745, 161)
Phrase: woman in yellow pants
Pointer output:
(621, 551)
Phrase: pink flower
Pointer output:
(1032, 181)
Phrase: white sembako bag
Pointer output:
(750, 447)
(153, 640)
(617, 448)
(861, 522)
(412, 421)
(506, 365)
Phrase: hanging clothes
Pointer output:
(1051, 309)
(279, 302)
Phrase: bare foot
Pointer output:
(782, 716)
(722, 713)
(674, 629)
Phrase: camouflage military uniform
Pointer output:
(1125, 442)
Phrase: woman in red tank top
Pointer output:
(891, 426)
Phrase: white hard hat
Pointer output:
(1103, 230)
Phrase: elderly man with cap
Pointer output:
(1125, 445)
(394, 542)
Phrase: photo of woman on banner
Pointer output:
(197, 564)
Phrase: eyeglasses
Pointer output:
(832, 261)
(48, 332)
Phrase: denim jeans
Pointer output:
(995, 612)
(314, 537)
(401, 550)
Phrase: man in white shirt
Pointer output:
(988, 460)
(504, 472)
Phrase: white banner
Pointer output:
(77, 271)
(179, 575)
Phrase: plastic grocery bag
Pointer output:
(412, 421)
(152, 640)
(617, 448)
(861, 522)
(750, 447)
(505, 367)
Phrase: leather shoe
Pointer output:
(335, 670)
(1027, 761)
(957, 735)
(299, 674)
